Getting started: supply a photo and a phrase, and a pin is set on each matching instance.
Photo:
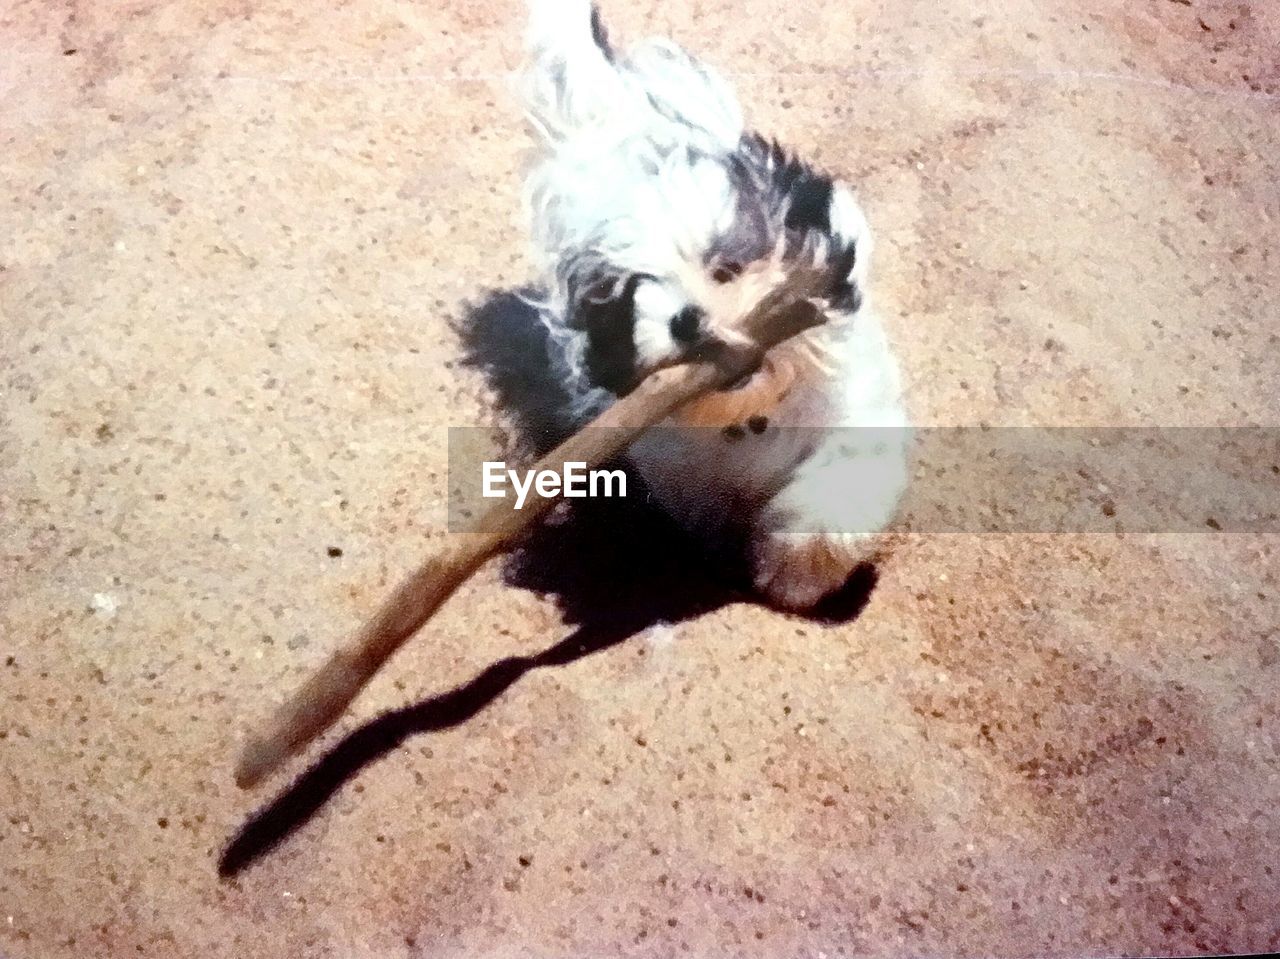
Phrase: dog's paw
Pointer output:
(796, 572)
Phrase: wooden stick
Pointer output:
(322, 699)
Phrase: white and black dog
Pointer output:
(658, 221)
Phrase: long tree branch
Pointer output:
(323, 698)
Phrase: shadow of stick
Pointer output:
(371, 742)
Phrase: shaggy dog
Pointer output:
(658, 220)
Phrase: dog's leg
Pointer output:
(829, 518)
(830, 515)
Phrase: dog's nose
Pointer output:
(686, 326)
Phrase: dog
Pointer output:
(658, 219)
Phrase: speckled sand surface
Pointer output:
(233, 236)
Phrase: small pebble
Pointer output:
(105, 604)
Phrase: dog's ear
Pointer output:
(803, 193)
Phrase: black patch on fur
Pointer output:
(844, 295)
(599, 34)
(687, 324)
(805, 191)
(609, 318)
(504, 337)
(846, 299)
(842, 263)
(810, 204)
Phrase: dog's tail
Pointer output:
(570, 82)
(572, 27)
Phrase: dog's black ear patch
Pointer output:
(608, 315)
(809, 206)
(805, 192)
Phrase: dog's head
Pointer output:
(708, 238)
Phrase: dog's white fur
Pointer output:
(636, 176)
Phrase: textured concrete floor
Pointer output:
(232, 238)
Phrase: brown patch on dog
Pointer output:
(760, 396)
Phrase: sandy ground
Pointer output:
(236, 239)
